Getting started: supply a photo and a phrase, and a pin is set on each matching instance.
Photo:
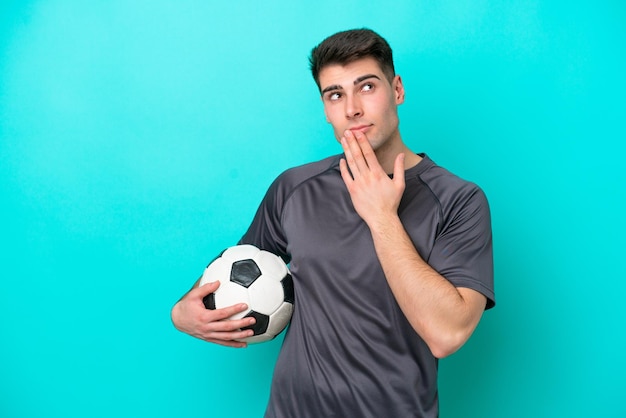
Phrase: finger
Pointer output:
(345, 173)
(398, 170)
(233, 344)
(365, 149)
(349, 157)
(236, 334)
(208, 288)
(228, 330)
(227, 312)
(356, 160)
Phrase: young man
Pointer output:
(391, 255)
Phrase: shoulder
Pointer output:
(283, 186)
(447, 188)
(291, 178)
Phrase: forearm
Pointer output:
(443, 315)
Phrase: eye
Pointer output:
(334, 96)
(367, 87)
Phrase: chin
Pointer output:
(376, 144)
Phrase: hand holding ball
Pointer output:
(257, 278)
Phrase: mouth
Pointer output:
(361, 128)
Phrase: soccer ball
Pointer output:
(255, 277)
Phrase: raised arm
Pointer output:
(443, 315)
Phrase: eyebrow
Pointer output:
(357, 81)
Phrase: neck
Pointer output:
(388, 152)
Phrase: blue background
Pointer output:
(138, 137)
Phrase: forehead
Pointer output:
(345, 75)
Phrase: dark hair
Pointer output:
(351, 45)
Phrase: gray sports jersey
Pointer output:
(350, 351)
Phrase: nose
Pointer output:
(353, 107)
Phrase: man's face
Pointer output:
(359, 97)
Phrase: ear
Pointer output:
(398, 90)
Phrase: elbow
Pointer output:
(447, 344)
(446, 339)
(442, 351)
